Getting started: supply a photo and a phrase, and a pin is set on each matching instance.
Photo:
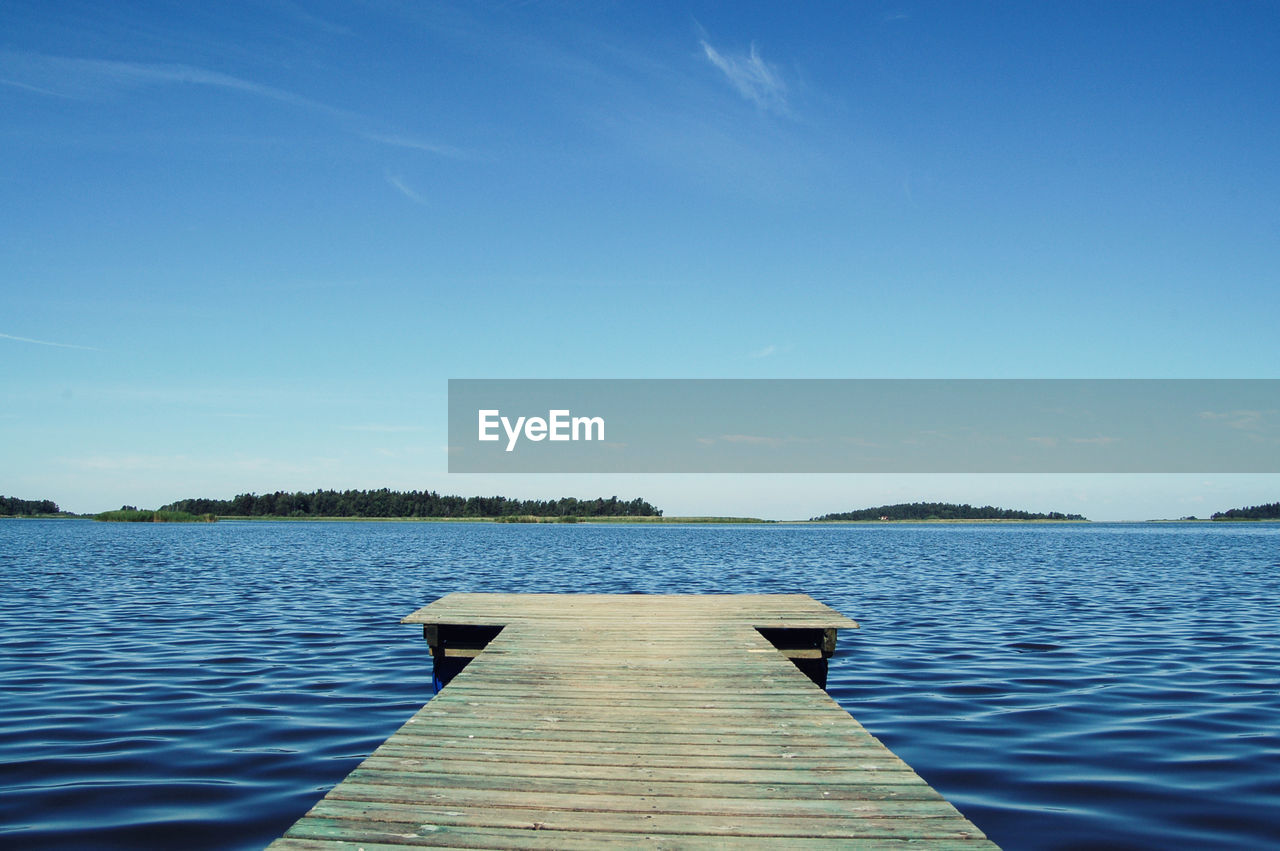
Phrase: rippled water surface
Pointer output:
(200, 686)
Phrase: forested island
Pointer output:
(943, 511)
(11, 506)
(384, 503)
(1270, 511)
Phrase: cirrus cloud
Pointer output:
(756, 80)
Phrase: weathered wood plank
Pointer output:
(860, 761)
(687, 804)
(781, 774)
(907, 787)
(624, 733)
(824, 727)
(330, 835)
(663, 822)
(784, 748)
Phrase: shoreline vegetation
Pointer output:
(389, 506)
(133, 515)
(525, 518)
(385, 503)
(1269, 511)
(943, 511)
(11, 506)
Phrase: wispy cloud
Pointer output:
(754, 440)
(767, 351)
(78, 78)
(756, 80)
(139, 464)
(382, 429)
(129, 463)
(48, 343)
(73, 77)
(297, 12)
(404, 189)
(1052, 442)
(1246, 420)
(4, 81)
(420, 145)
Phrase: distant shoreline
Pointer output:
(692, 520)
(932, 520)
(514, 520)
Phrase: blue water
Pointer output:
(200, 686)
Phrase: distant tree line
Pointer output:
(1270, 511)
(944, 511)
(11, 506)
(389, 503)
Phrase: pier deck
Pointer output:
(638, 721)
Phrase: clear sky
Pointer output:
(244, 245)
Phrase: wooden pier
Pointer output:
(589, 720)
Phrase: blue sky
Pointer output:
(243, 246)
